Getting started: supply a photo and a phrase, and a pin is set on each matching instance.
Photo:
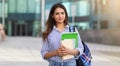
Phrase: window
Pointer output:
(0, 1)
(21, 6)
(84, 9)
(12, 6)
(118, 23)
(31, 6)
(82, 25)
(104, 24)
(95, 25)
(101, 5)
(67, 6)
(0, 9)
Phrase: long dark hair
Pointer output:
(51, 22)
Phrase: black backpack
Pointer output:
(85, 58)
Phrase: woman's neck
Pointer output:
(60, 27)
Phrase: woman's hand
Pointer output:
(67, 51)
(62, 51)
(59, 52)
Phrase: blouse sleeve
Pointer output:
(44, 48)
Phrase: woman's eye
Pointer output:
(62, 13)
(56, 13)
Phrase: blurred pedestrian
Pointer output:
(52, 50)
(2, 32)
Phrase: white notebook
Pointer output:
(68, 43)
(69, 40)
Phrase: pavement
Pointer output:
(21, 51)
(25, 51)
(104, 55)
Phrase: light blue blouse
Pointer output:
(53, 42)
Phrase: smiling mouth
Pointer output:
(60, 19)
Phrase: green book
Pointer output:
(71, 35)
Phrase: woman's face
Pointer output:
(59, 15)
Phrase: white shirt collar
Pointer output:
(54, 27)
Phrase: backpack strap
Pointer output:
(71, 28)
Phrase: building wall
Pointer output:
(27, 11)
(107, 16)
(24, 15)
(108, 11)
(87, 14)
(105, 36)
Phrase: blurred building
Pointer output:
(105, 14)
(21, 17)
(24, 17)
(104, 22)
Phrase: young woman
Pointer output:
(52, 50)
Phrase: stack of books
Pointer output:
(69, 40)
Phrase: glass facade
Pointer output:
(0, 9)
(21, 6)
(23, 17)
(78, 11)
(83, 8)
(12, 7)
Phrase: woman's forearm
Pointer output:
(50, 54)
